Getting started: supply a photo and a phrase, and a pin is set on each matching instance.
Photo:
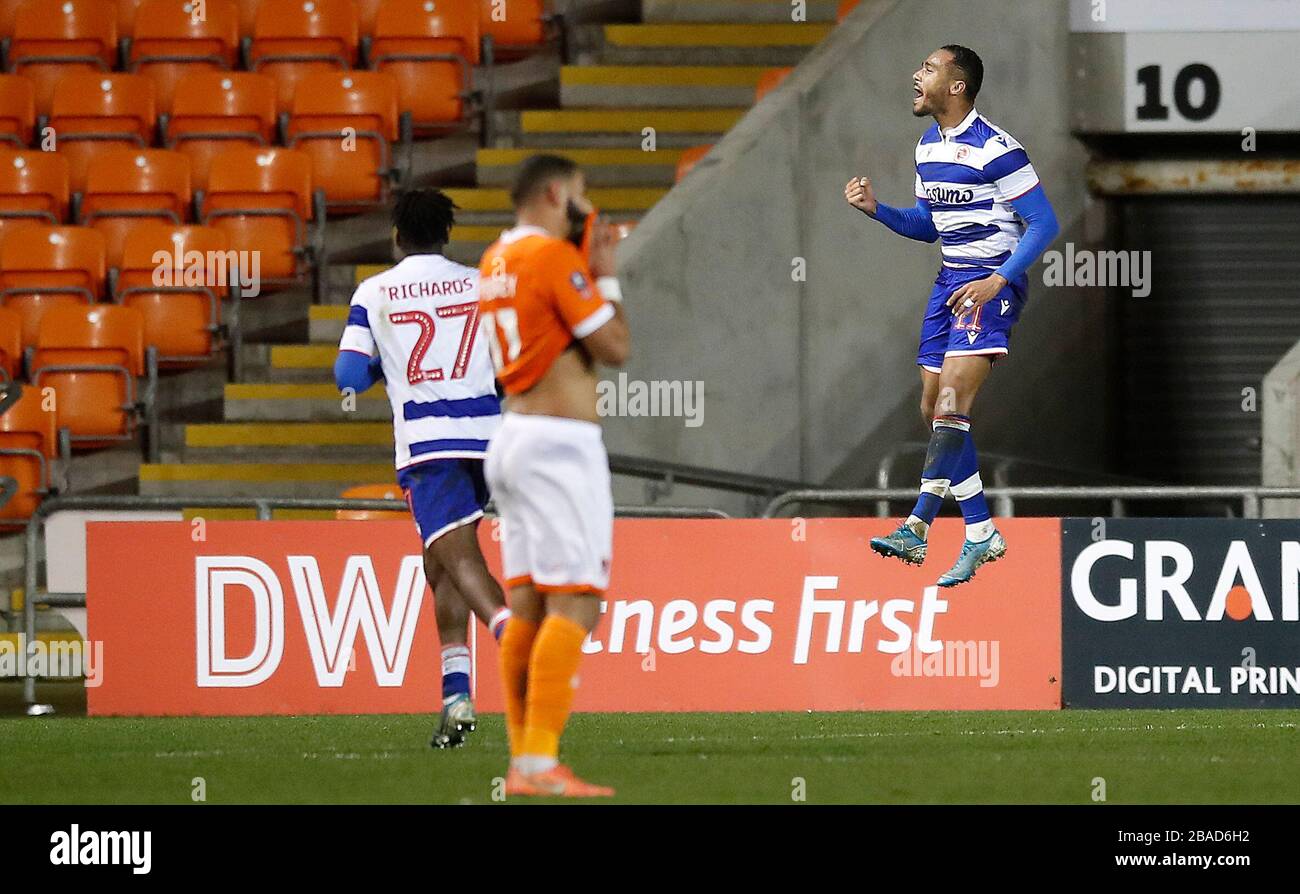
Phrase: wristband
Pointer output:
(610, 289)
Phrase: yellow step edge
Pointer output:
(476, 234)
(303, 356)
(344, 473)
(327, 313)
(661, 75)
(509, 158)
(289, 434)
(612, 199)
(802, 34)
(631, 120)
(294, 391)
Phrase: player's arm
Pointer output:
(594, 312)
(1017, 184)
(1041, 229)
(358, 364)
(914, 223)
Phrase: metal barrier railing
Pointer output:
(1005, 497)
(265, 508)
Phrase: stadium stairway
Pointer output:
(689, 71)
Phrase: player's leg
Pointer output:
(959, 384)
(908, 542)
(976, 340)
(565, 502)
(447, 498)
(452, 614)
(458, 555)
(929, 395)
(527, 610)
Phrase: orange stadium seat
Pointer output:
(215, 111)
(247, 16)
(170, 41)
(42, 268)
(29, 444)
(517, 27)
(430, 49)
(17, 110)
(182, 321)
(846, 7)
(98, 114)
(91, 357)
(52, 39)
(33, 189)
(371, 492)
(369, 10)
(352, 167)
(771, 79)
(8, 15)
(127, 13)
(295, 38)
(690, 158)
(11, 343)
(127, 186)
(262, 200)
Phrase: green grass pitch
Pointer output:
(858, 758)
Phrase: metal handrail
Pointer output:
(700, 476)
(1005, 497)
(264, 507)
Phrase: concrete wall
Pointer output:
(816, 380)
(1281, 433)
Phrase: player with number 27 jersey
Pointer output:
(421, 320)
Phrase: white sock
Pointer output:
(919, 526)
(980, 531)
(532, 764)
(502, 615)
(455, 660)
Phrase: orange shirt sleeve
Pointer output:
(576, 298)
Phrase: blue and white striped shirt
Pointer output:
(970, 174)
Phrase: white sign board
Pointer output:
(1131, 16)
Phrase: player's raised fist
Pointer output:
(860, 195)
(604, 241)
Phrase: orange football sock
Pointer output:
(551, 673)
(516, 650)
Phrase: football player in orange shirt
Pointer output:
(550, 317)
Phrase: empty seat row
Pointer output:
(347, 123)
(92, 384)
(429, 47)
(262, 198)
(176, 277)
(514, 24)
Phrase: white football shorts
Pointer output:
(550, 479)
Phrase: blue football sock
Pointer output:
(967, 487)
(947, 445)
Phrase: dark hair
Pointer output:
(423, 218)
(536, 173)
(972, 68)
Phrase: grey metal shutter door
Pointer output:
(1224, 308)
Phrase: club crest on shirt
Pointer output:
(580, 283)
(963, 153)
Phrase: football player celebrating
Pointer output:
(550, 317)
(415, 327)
(976, 192)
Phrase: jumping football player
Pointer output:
(977, 192)
(415, 327)
(551, 318)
